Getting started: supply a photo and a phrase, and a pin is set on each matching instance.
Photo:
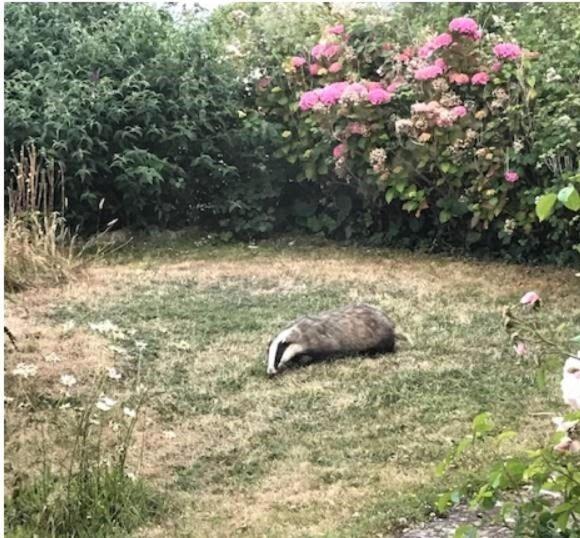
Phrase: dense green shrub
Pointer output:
(196, 119)
(141, 109)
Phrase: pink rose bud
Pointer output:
(531, 299)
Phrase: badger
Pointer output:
(356, 328)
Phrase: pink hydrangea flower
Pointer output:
(378, 96)
(458, 78)
(335, 67)
(309, 99)
(429, 72)
(401, 57)
(438, 42)
(330, 50)
(339, 151)
(297, 62)
(425, 51)
(445, 118)
(373, 84)
(317, 50)
(393, 86)
(355, 92)
(405, 55)
(459, 111)
(511, 176)
(480, 79)
(440, 62)
(496, 67)
(465, 26)
(421, 108)
(337, 29)
(531, 299)
(520, 349)
(356, 127)
(313, 69)
(507, 51)
(442, 40)
(331, 94)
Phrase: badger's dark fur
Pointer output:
(357, 328)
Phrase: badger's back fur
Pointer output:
(356, 328)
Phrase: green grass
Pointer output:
(301, 454)
(102, 503)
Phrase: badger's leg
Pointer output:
(289, 353)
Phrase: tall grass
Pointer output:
(37, 243)
(89, 492)
(39, 246)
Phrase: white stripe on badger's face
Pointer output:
(280, 339)
(289, 353)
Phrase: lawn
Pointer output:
(336, 449)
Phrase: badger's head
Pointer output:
(274, 353)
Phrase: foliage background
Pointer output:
(162, 117)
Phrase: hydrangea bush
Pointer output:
(442, 132)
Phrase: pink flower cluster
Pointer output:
(465, 26)
(332, 94)
(438, 42)
(458, 78)
(297, 62)
(430, 72)
(437, 114)
(378, 96)
(325, 50)
(335, 67)
(507, 51)
(339, 151)
(337, 29)
(480, 79)
(405, 56)
(511, 176)
(309, 99)
(356, 127)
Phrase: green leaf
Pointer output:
(505, 436)
(545, 206)
(482, 423)
(562, 521)
(444, 167)
(463, 444)
(570, 198)
(465, 531)
(390, 195)
(443, 502)
(444, 216)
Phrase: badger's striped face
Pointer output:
(275, 353)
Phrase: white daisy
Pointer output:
(131, 413)
(105, 403)
(68, 380)
(25, 370)
(113, 373)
